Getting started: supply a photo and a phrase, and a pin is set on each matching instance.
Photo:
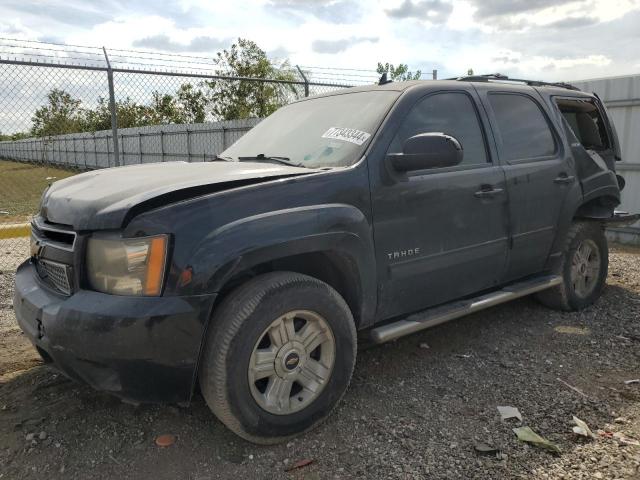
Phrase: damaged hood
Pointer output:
(101, 199)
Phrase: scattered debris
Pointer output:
(42, 436)
(165, 440)
(463, 355)
(620, 420)
(572, 330)
(582, 428)
(622, 438)
(525, 434)
(424, 345)
(485, 448)
(299, 464)
(631, 382)
(577, 390)
(509, 412)
(29, 436)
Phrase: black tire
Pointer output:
(565, 296)
(239, 323)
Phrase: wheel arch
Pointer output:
(337, 269)
(332, 242)
(597, 208)
(576, 208)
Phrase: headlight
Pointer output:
(127, 266)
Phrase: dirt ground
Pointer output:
(415, 408)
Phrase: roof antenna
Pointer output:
(383, 79)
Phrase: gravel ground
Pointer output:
(415, 408)
(13, 251)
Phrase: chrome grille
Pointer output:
(54, 274)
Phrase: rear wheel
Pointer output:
(583, 268)
(279, 356)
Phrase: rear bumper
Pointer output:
(142, 349)
(622, 218)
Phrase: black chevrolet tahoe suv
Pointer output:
(368, 213)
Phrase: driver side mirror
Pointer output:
(427, 150)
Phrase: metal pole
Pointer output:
(112, 107)
(188, 145)
(434, 73)
(95, 149)
(306, 82)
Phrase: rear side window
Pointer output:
(452, 113)
(586, 122)
(523, 128)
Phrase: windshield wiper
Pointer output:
(261, 157)
(218, 158)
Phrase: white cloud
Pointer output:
(545, 39)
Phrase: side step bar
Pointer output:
(435, 316)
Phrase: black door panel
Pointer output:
(440, 234)
(461, 241)
(538, 175)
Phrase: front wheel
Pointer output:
(584, 266)
(279, 356)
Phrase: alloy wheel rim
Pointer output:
(585, 268)
(291, 362)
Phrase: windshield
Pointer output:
(321, 132)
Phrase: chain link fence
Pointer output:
(69, 109)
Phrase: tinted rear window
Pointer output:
(523, 128)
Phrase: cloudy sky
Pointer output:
(546, 39)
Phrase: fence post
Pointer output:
(95, 149)
(161, 145)
(112, 107)
(188, 145)
(434, 74)
(224, 138)
(306, 82)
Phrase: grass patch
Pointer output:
(21, 186)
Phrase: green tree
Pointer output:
(193, 103)
(61, 114)
(13, 136)
(164, 109)
(236, 99)
(129, 113)
(398, 73)
(219, 99)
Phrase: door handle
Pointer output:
(488, 192)
(564, 179)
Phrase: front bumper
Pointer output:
(142, 349)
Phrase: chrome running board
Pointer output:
(435, 316)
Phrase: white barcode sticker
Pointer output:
(347, 135)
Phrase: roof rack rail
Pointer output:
(499, 77)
